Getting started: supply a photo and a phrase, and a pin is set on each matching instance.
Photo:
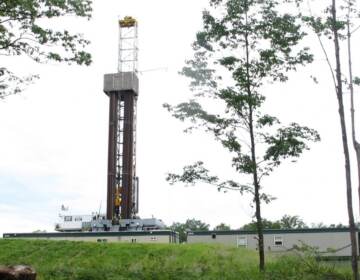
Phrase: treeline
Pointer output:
(286, 222)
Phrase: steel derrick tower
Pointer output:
(122, 89)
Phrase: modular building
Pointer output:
(328, 241)
(160, 236)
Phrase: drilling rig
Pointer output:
(122, 88)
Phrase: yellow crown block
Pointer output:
(127, 22)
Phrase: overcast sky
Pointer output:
(53, 143)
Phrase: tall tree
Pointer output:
(356, 144)
(291, 222)
(266, 225)
(189, 225)
(244, 45)
(222, 226)
(331, 27)
(23, 32)
(286, 222)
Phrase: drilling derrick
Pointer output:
(122, 89)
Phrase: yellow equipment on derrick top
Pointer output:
(127, 22)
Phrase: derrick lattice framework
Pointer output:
(122, 89)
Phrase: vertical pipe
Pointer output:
(111, 174)
(128, 148)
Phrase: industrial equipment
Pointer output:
(121, 218)
(122, 88)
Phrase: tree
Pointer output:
(331, 27)
(291, 222)
(222, 226)
(22, 33)
(245, 46)
(356, 144)
(319, 225)
(189, 225)
(286, 222)
(340, 225)
(266, 225)
(335, 27)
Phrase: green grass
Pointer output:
(55, 260)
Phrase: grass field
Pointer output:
(55, 260)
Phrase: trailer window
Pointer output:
(67, 218)
(78, 219)
(278, 241)
(242, 241)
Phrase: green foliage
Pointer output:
(60, 260)
(197, 172)
(288, 142)
(332, 26)
(324, 26)
(356, 81)
(265, 223)
(245, 46)
(222, 226)
(23, 33)
(305, 268)
(286, 222)
(189, 225)
(10, 83)
(292, 222)
(255, 44)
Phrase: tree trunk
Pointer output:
(18, 272)
(339, 94)
(356, 144)
(259, 225)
